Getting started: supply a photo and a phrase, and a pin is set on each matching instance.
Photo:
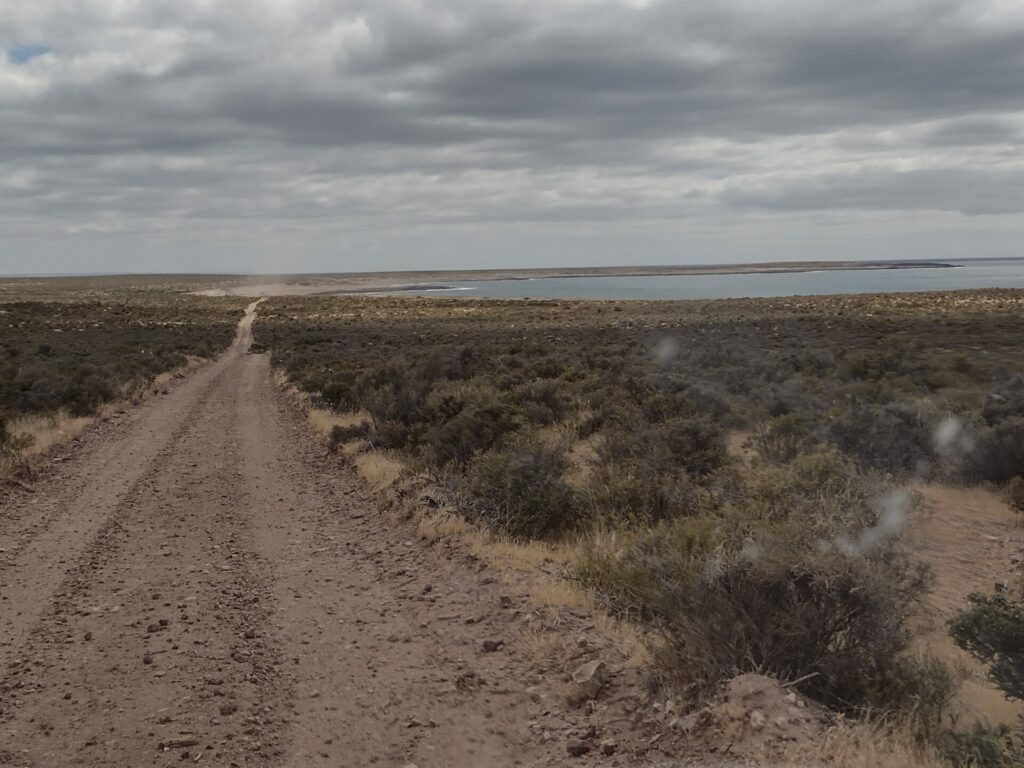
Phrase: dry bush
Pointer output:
(1014, 493)
(837, 622)
(893, 438)
(998, 453)
(991, 628)
(12, 447)
(518, 490)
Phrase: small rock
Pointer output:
(249, 634)
(490, 646)
(229, 708)
(757, 720)
(147, 659)
(505, 601)
(589, 678)
(577, 748)
(178, 743)
(608, 746)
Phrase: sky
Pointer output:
(365, 135)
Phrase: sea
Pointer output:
(1002, 273)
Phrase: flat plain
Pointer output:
(391, 530)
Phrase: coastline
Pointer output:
(401, 282)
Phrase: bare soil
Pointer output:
(973, 542)
(196, 580)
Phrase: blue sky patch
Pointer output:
(19, 54)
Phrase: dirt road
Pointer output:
(197, 581)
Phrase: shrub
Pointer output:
(627, 570)
(892, 438)
(837, 623)
(1007, 403)
(518, 490)
(983, 747)
(340, 435)
(815, 497)
(465, 434)
(691, 445)
(337, 394)
(635, 493)
(998, 453)
(1014, 493)
(992, 629)
(783, 437)
(12, 446)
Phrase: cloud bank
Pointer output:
(276, 134)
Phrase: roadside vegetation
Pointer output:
(732, 474)
(70, 346)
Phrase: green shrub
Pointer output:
(627, 569)
(518, 490)
(983, 747)
(635, 493)
(992, 629)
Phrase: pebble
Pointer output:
(577, 748)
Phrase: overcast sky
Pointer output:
(275, 135)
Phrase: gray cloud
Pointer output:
(432, 125)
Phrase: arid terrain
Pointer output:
(193, 579)
(408, 532)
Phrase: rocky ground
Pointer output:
(197, 580)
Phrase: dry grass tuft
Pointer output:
(323, 420)
(379, 470)
(49, 430)
(441, 525)
(557, 593)
(873, 744)
(635, 645)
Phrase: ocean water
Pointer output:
(968, 274)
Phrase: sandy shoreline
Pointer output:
(389, 282)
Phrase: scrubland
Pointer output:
(69, 347)
(733, 477)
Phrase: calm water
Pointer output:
(975, 274)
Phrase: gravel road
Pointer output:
(195, 580)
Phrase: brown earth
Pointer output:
(195, 579)
(973, 542)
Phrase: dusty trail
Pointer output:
(196, 583)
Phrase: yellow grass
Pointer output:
(440, 525)
(868, 744)
(378, 469)
(323, 420)
(49, 429)
(557, 593)
(634, 644)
